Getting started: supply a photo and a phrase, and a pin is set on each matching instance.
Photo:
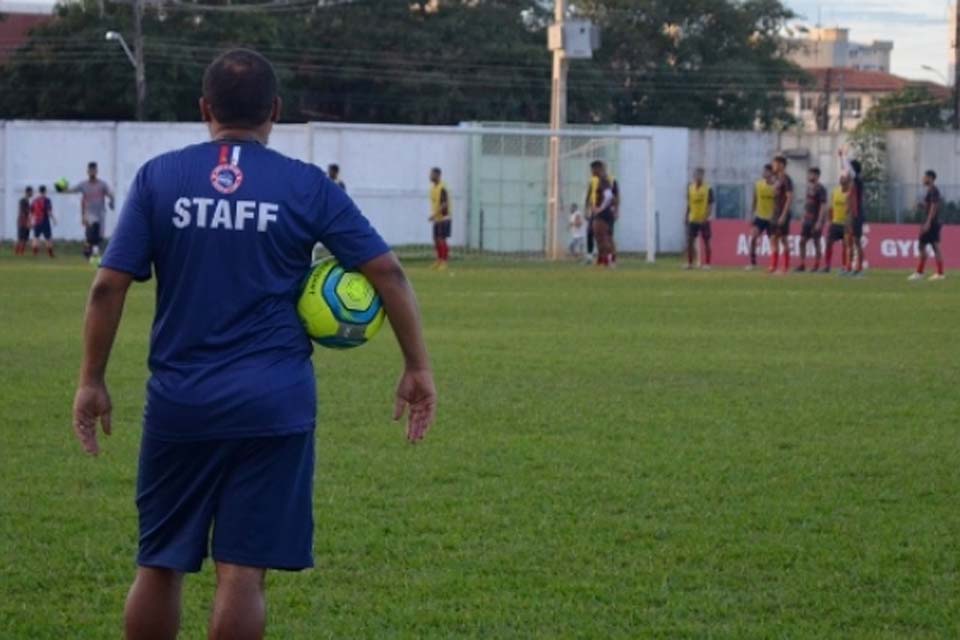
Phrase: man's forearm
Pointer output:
(104, 308)
(400, 303)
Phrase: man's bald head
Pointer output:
(240, 88)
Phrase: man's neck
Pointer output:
(239, 135)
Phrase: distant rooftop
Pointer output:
(19, 18)
(860, 81)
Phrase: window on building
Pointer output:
(851, 105)
(808, 103)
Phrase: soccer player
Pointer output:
(763, 195)
(783, 201)
(602, 207)
(23, 222)
(440, 218)
(814, 217)
(615, 189)
(839, 223)
(41, 213)
(930, 232)
(227, 227)
(700, 203)
(592, 185)
(856, 214)
(96, 195)
(333, 172)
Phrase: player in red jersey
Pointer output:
(783, 201)
(857, 214)
(41, 213)
(603, 209)
(814, 217)
(930, 233)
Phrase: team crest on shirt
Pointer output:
(226, 178)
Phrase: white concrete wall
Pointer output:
(386, 170)
(386, 167)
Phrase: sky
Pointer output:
(918, 28)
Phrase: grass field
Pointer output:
(643, 453)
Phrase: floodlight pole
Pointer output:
(558, 119)
(141, 72)
(136, 56)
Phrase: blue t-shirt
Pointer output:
(229, 229)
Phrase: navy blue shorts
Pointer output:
(441, 230)
(763, 226)
(254, 493)
(932, 236)
(42, 230)
(695, 229)
(837, 232)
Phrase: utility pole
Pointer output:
(140, 70)
(823, 117)
(558, 119)
(956, 65)
(843, 101)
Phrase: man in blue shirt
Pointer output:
(227, 227)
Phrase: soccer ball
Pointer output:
(339, 309)
(61, 185)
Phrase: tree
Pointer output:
(694, 63)
(913, 107)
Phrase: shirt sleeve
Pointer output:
(344, 230)
(131, 247)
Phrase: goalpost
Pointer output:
(508, 210)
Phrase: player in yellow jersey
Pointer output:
(840, 220)
(763, 204)
(700, 202)
(440, 217)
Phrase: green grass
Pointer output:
(644, 453)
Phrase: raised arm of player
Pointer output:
(91, 404)
(416, 390)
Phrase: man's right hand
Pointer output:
(416, 396)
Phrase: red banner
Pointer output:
(887, 246)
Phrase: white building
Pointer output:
(847, 95)
(825, 48)
(952, 53)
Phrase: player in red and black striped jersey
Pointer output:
(41, 214)
(856, 215)
(814, 216)
(783, 201)
(603, 208)
(930, 233)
